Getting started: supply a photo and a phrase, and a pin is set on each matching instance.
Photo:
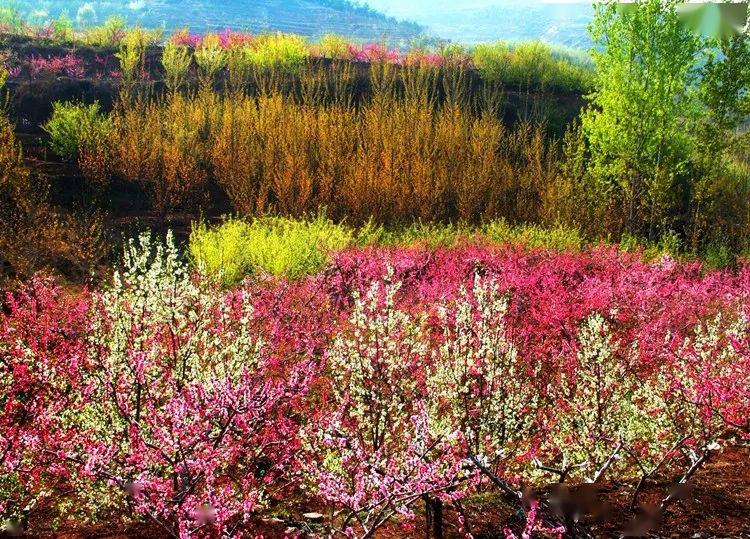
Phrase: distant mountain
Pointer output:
(473, 21)
(464, 21)
(307, 17)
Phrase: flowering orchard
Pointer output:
(393, 380)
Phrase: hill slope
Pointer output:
(472, 21)
(307, 17)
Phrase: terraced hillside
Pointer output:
(306, 17)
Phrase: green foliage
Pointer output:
(333, 46)
(287, 52)
(721, 195)
(499, 231)
(10, 18)
(558, 238)
(452, 51)
(668, 244)
(660, 132)
(275, 245)
(211, 58)
(62, 29)
(725, 90)
(240, 67)
(107, 35)
(73, 125)
(132, 54)
(533, 64)
(637, 125)
(418, 233)
(719, 255)
(176, 61)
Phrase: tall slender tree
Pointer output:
(647, 72)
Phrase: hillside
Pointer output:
(473, 21)
(307, 17)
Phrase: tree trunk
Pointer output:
(433, 517)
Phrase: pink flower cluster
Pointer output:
(187, 39)
(227, 38)
(532, 525)
(69, 65)
(373, 52)
(368, 386)
(427, 58)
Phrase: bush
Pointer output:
(558, 238)
(31, 237)
(333, 46)
(374, 386)
(132, 52)
(279, 51)
(107, 35)
(232, 436)
(361, 161)
(719, 255)
(277, 245)
(211, 58)
(533, 64)
(176, 62)
(73, 125)
(668, 245)
(428, 235)
(10, 19)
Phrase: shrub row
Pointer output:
(523, 64)
(395, 157)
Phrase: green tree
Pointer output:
(719, 207)
(725, 90)
(636, 123)
(62, 29)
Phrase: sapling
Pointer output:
(211, 58)
(176, 62)
(132, 56)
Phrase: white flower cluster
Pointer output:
(156, 307)
(372, 364)
(478, 381)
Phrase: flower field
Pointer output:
(392, 380)
(303, 285)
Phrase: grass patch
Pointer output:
(275, 245)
